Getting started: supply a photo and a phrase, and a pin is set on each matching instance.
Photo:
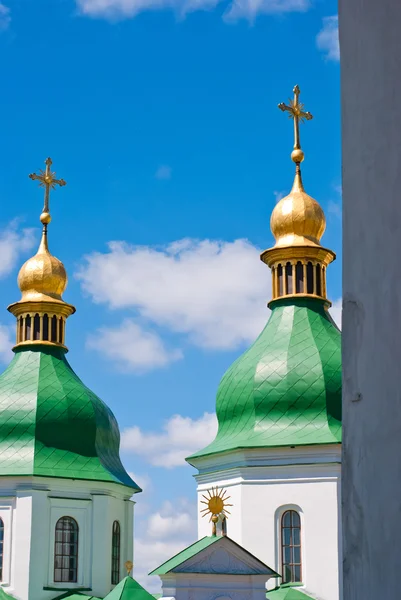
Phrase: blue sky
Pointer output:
(162, 117)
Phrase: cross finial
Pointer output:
(296, 111)
(129, 565)
(47, 179)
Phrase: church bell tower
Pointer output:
(66, 515)
(278, 446)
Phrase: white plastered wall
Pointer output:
(30, 508)
(264, 484)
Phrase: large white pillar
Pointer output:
(370, 43)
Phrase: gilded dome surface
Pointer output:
(42, 277)
(297, 219)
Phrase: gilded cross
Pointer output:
(296, 111)
(47, 179)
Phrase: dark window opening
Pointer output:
(280, 280)
(288, 278)
(115, 553)
(46, 328)
(66, 550)
(1, 548)
(291, 547)
(36, 327)
(54, 329)
(60, 330)
(309, 278)
(28, 327)
(318, 280)
(299, 278)
(21, 329)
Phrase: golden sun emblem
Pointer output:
(216, 505)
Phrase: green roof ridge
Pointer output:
(52, 425)
(285, 390)
(129, 589)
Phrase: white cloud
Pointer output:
(6, 343)
(327, 38)
(334, 208)
(336, 311)
(166, 532)
(132, 348)
(180, 437)
(250, 9)
(237, 9)
(278, 196)
(13, 243)
(163, 172)
(5, 17)
(215, 292)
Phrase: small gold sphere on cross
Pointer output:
(45, 218)
(297, 156)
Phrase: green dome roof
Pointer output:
(285, 390)
(52, 425)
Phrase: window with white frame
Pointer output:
(291, 547)
(115, 553)
(1, 547)
(66, 550)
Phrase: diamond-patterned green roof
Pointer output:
(285, 390)
(52, 425)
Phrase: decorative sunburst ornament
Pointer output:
(216, 505)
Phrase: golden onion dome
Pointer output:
(42, 277)
(297, 219)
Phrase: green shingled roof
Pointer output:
(285, 390)
(287, 591)
(52, 424)
(129, 589)
(173, 563)
(185, 555)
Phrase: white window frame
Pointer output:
(279, 552)
(7, 506)
(81, 511)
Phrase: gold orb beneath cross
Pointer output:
(45, 218)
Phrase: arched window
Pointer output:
(291, 546)
(45, 327)
(280, 280)
(309, 278)
(66, 551)
(115, 553)
(28, 327)
(60, 330)
(36, 327)
(318, 280)
(299, 277)
(1, 548)
(288, 278)
(54, 329)
(21, 330)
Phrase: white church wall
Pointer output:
(260, 493)
(211, 587)
(31, 507)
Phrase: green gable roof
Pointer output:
(287, 591)
(185, 555)
(196, 548)
(285, 390)
(52, 425)
(129, 589)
